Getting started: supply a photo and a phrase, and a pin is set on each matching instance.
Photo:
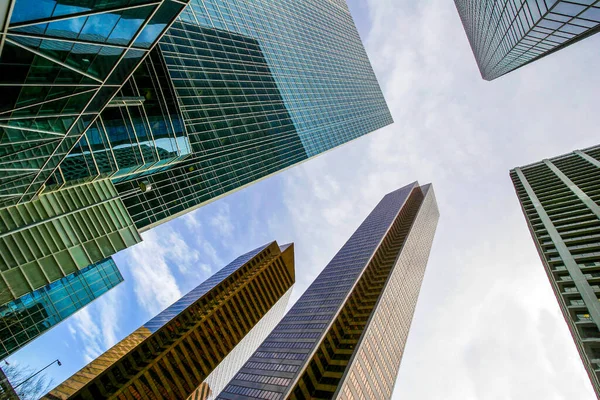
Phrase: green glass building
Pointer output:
(119, 115)
(560, 198)
(506, 35)
(61, 62)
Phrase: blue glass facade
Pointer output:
(506, 35)
(262, 86)
(24, 319)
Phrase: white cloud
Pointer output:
(83, 326)
(221, 221)
(154, 284)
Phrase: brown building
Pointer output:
(345, 337)
(172, 354)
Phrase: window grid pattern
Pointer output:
(238, 125)
(313, 367)
(377, 358)
(263, 86)
(60, 64)
(508, 34)
(560, 199)
(141, 130)
(59, 233)
(24, 319)
(173, 354)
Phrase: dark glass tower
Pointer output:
(61, 62)
(505, 35)
(26, 318)
(560, 198)
(262, 86)
(345, 336)
(174, 353)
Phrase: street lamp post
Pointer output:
(55, 361)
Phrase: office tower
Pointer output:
(110, 96)
(61, 62)
(345, 336)
(262, 86)
(175, 352)
(560, 198)
(505, 35)
(24, 319)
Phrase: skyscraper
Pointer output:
(174, 353)
(506, 35)
(111, 100)
(345, 336)
(24, 319)
(262, 86)
(61, 62)
(560, 198)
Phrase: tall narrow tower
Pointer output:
(345, 336)
(560, 198)
(182, 349)
(506, 35)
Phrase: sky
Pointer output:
(487, 325)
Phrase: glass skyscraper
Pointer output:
(505, 35)
(176, 352)
(118, 115)
(61, 62)
(262, 86)
(345, 336)
(560, 198)
(24, 319)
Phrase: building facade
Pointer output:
(24, 319)
(506, 35)
(159, 107)
(560, 198)
(171, 355)
(262, 86)
(61, 62)
(345, 336)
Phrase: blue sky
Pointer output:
(487, 325)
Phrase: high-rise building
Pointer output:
(137, 120)
(262, 86)
(174, 354)
(24, 319)
(560, 198)
(345, 336)
(61, 62)
(506, 35)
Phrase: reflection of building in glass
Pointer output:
(560, 198)
(505, 35)
(141, 130)
(6, 390)
(26, 318)
(345, 336)
(173, 353)
(60, 64)
(262, 86)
